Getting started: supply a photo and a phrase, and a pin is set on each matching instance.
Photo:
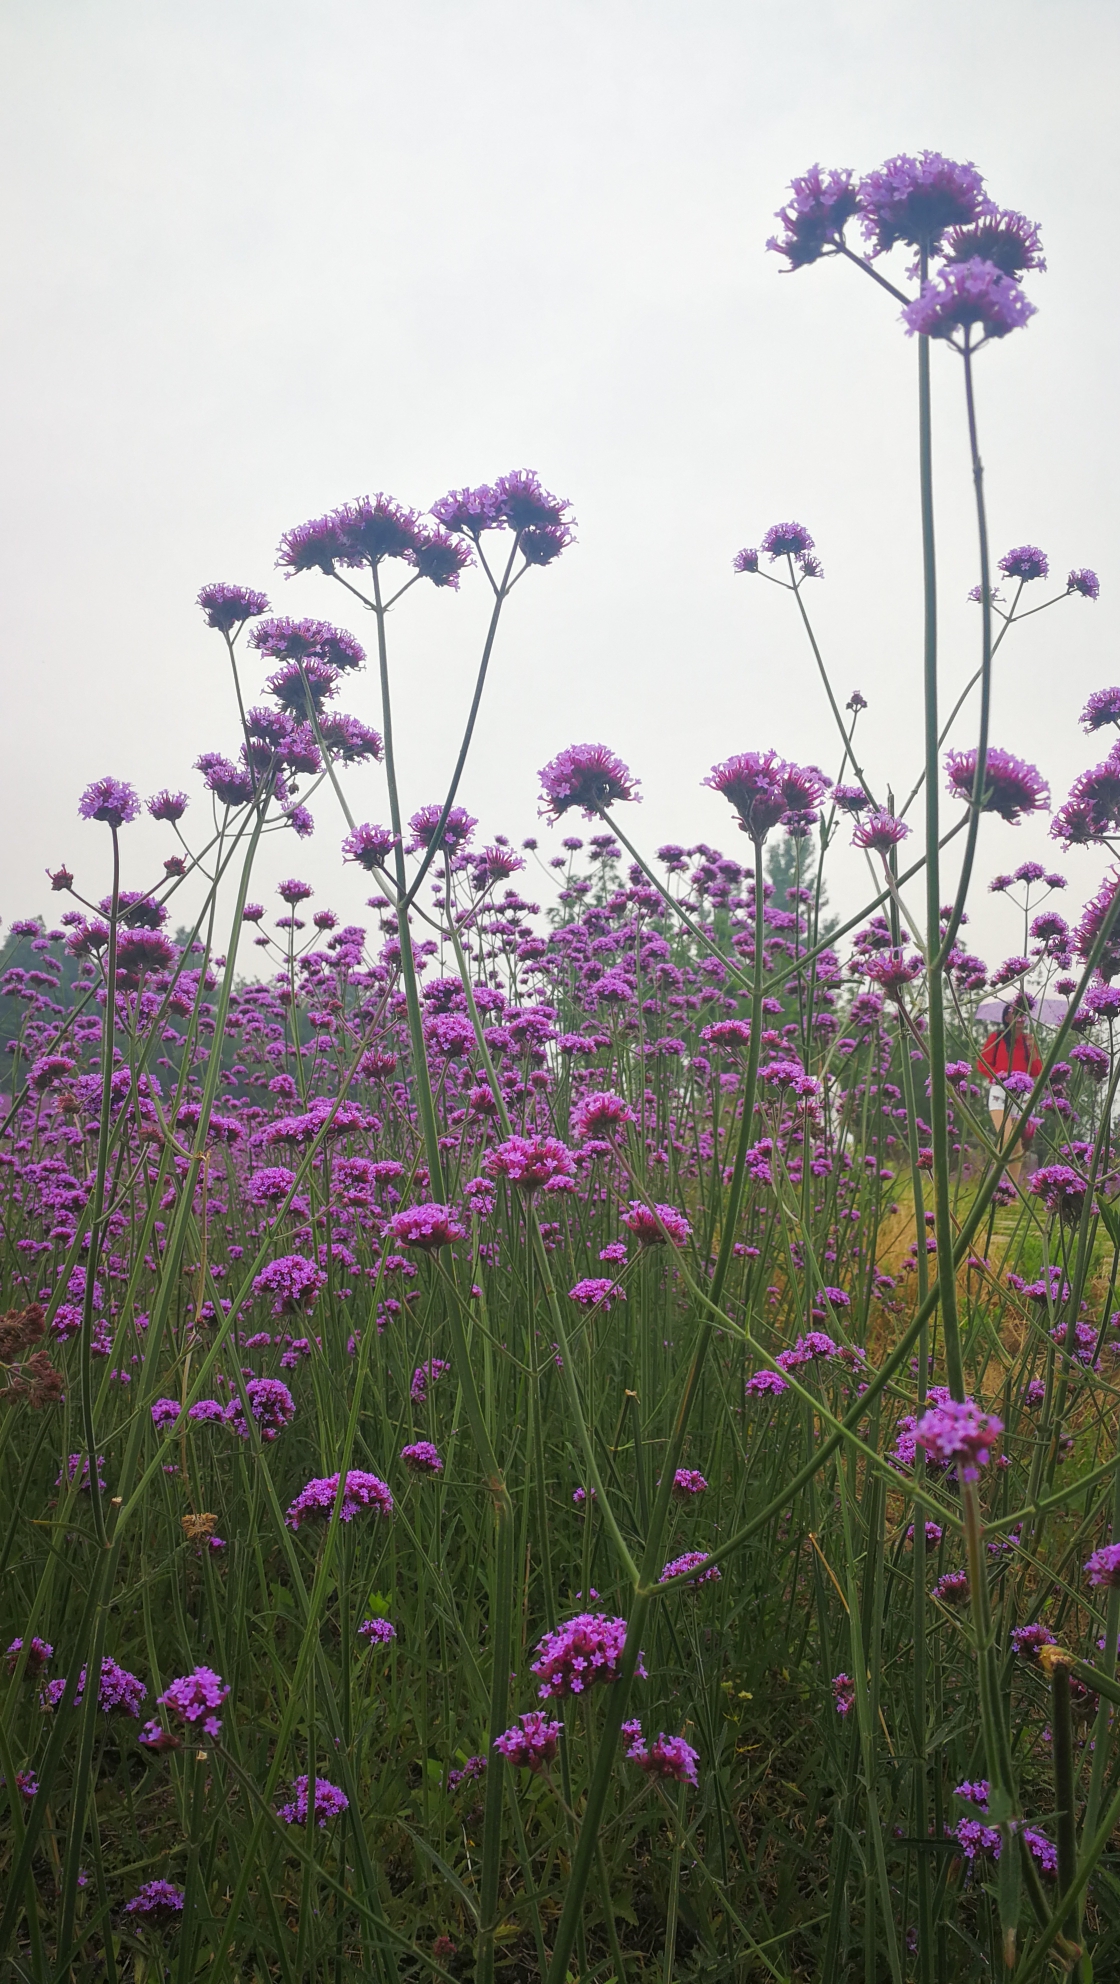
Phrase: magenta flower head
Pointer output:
(687, 1484)
(307, 640)
(691, 1561)
(1102, 707)
(111, 800)
(167, 805)
(316, 546)
(303, 686)
(379, 1632)
(850, 798)
(964, 295)
(373, 528)
(745, 560)
(294, 1282)
(369, 846)
(586, 1650)
(600, 1114)
(425, 1375)
(469, 511)
(999, 235)
(596, 1292)
(39, 1652)
(666, 1756)
(457, 828)
(657, 1226)
(533, 1743)
(439, 557)
(530, 1162)
(348, 739)
(880, 831)
(1085, 582)
(157, 1903)
(1097, 914)
(813, 219)
(361, 1491)
(422, 1458)
(1103, 1567)
(786, 541)
(764, 1382)
(956, 1431)
(230, 785)
(1026, 1640)
(915, 200)
(1025, 562)
(843, 1693)
(428, 1227)
(752, 781)
(326, 1803)
(271, 1405)
(194, 1698)
(1011, 786)
(522, 503)
(1061, 1190)
(116, 1689)
(227, 607)
(588, 776)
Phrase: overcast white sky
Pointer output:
(259, 256)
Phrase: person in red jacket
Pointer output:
(1009, 1048)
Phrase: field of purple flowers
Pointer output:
(558, 1432)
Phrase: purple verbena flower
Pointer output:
(583, 1651)
(116, 1689)
(169, 806)
(786, 541)
(111, 800)
(271, 1405)
(428, 1227)
(600, 1114)
(1103, 1567)
(227, 607)
(666, 1756)
(532, 1743)
(294, 1282)
(687, 1483)
(530, 1162)
(39, 1652)
(596, 1292)
(360, 1491)
(957, 1431)
(843, 1693)
(765, 1382)
(159, 1903)
(1085, 582)
(879, 831)
(916, 200)
(998, 235)
(379, 1632)
(1011, 786)
(1025, 562)
(965, 294)
(588, 776)
(1061, 1189)
(814, 218)
(658, 1225)
(369, 846)
(690, 1562)
(304, 641)
(422, 1458)
(469, 511)
(194, 1697)
(327, 1802)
